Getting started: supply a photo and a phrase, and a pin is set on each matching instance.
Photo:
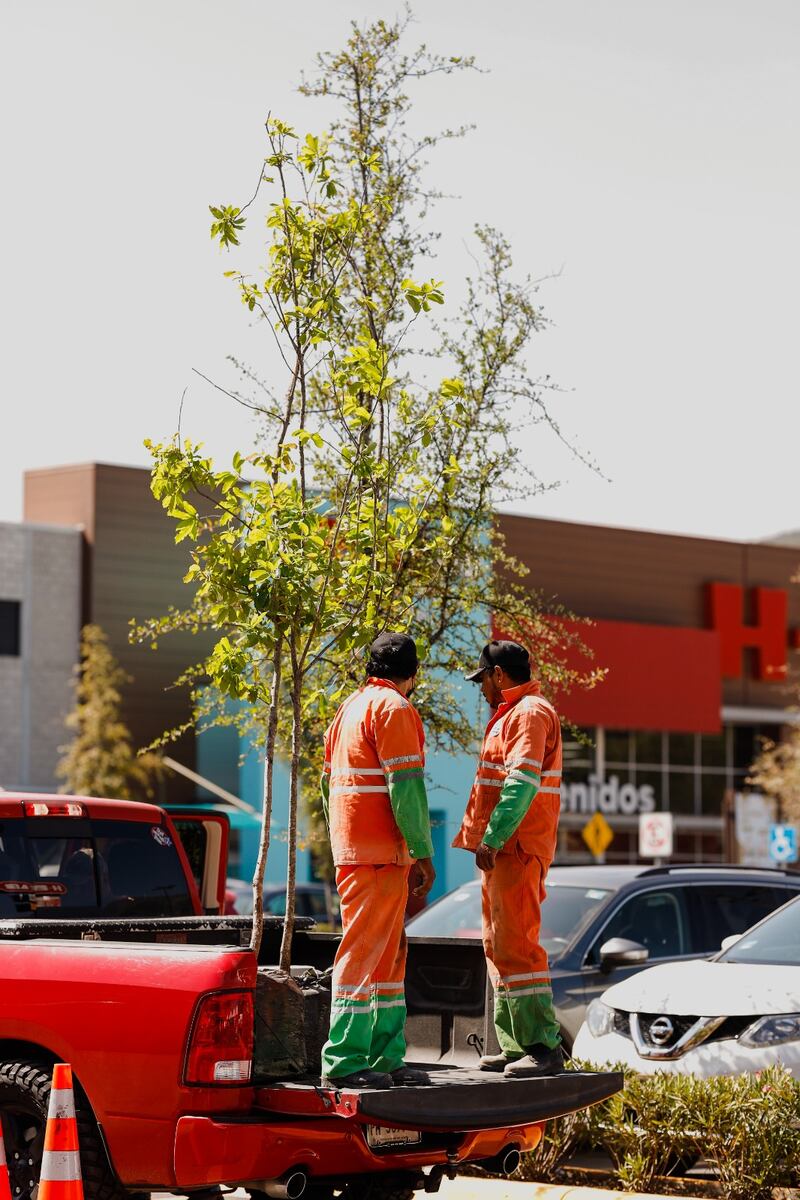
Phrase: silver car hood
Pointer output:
(709, 989)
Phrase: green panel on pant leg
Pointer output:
(348, 1045)
(388, 1049)
(525, 1021)
(504, 1027)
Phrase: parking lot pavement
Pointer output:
(499, 1189)
(512, 1189)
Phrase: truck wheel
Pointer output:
(24, 1096)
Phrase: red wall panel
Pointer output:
(659, 677)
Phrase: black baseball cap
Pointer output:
(509, 655)
(393, 654)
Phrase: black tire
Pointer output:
(24, 1096)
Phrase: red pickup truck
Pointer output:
(111, 959)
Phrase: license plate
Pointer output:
(379, 1136)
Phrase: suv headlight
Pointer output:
(599, 1019)
(772, 1031)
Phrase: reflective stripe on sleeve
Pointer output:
(527, 762)
(523, 776)
(402, 758)
(554, 791)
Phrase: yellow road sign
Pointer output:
(597, 834)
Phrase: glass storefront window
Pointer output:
(686, 846)
(712, 750)
(618, 749)
(648, 748)
(577, 753)
(654, 780)
(745, 746)
(712, 791)
(681, 792)
(711, 847)
(681, 749)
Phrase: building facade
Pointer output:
(40, 598)
(699, 639)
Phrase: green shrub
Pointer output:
(644, 1130)
(748, 1126)
(562, 1138)
(749, 1130)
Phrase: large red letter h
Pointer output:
(768, 635)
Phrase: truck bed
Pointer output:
(458, 1099)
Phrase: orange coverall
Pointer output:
(513, 806)
(377, 811)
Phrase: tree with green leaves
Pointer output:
(100, 760)
(776, 773)
(369, 501)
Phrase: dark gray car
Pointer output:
(601, 924)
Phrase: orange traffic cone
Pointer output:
(61, 1164)
(5, 1186)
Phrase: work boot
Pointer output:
(357, 1079)
(496, 1062)
(404, 1076)
(539, 1060)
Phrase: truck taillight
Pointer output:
(63, 808)
(221, 1041)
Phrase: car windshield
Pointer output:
(565, 912)
(776, 940)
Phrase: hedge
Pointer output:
(747, 1126)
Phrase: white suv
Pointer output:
(736, 1012)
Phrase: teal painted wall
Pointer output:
(234, 764)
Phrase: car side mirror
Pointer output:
(620, 952)
(729, 941)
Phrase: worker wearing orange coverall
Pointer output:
(511, 823)
(376, 807)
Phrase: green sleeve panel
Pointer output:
(516, 798)
(325, 791)
(410, 807)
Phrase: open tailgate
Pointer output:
(457, 1099)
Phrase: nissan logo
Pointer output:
(661, 1031)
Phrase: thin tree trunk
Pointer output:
(269, 763)
(294, 780)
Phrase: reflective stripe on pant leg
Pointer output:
(388, 1047)
(348, 1045)
(524, 1013)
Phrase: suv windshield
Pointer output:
(565, 911)
(777, 940)
(107, 869)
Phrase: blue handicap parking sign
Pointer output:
(783, 843)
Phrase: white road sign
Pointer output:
(655, 835)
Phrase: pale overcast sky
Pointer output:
(646, 151)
